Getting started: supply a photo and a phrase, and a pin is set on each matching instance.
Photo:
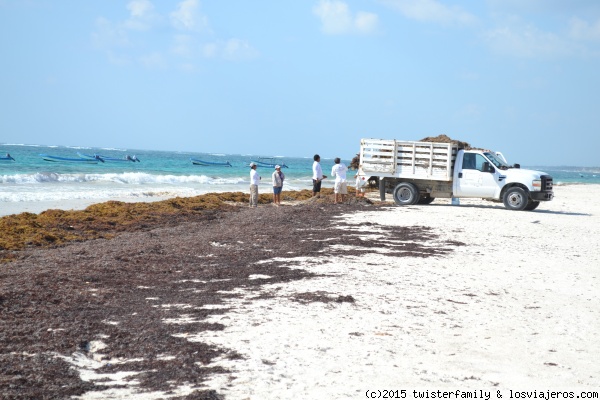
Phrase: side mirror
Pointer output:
(517, 166)
(487, 167)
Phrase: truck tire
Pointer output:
(426, 200)
(532, 205)
(515, 199)
(406, 194)
(382, 189)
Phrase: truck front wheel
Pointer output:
(406, 194)
(532, 205)
(515, 199)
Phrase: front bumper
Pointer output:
(541, 196)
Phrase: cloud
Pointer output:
(109, 35)
(187, 17)
(141, 15)
(175, 38)
(583, 30)
(527, 42)
(336, 18)
(232, 50)
(432, 11)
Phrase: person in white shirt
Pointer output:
(254, 181)
(340, 186)
(317, 175)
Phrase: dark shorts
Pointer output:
(277, 189)
(316, 186)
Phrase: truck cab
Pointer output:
(484, 174)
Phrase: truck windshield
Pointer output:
(496, 161)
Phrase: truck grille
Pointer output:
(546, 183)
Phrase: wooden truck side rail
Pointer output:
(406, 159)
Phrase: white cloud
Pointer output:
(527, 42)
(432, 11)
(145, 37)
(336, 18)
(366, 22)
(232, 50)
(141, 15)
(140, 8)
(583, 30)
(187, 16)
(109, 35)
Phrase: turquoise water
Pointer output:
(158, 174)
(167, 174)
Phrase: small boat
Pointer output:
(47, 157)
(270, 164)
(195, 161)
(106, 158)
(7, 157)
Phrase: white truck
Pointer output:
(419, 172)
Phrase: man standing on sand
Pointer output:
(254, 181)
(317, 175)
(277, 179)
(341, 185)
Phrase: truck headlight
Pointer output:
(537, 184)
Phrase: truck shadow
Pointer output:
(501, 207)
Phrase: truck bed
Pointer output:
(407, 159)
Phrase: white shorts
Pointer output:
(341, 188)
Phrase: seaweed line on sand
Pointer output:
(108, 299)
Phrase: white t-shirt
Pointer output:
(317, 171)
(339, 171)
(254, 177)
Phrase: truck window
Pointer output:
(469, 161)
(473, 161)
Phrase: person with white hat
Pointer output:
(254, 181)
(278, 178)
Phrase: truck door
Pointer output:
(472, 181)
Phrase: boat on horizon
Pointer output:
(270, 164)
(196, 161)
(7, 157)
(48, 157)
(107, 158)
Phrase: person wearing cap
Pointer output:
(254, 181)
(317, 175)
(340, 187)
(278, 178)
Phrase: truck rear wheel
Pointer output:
(406, 194)
(515, 199)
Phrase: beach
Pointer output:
(315, 300)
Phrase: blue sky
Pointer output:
(300, 77)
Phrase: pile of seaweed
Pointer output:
(446, 139)
(53, 228)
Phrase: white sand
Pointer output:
(517, 308)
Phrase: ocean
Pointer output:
(159, 174)
(164, 174)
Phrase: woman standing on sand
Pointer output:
(278, 178)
